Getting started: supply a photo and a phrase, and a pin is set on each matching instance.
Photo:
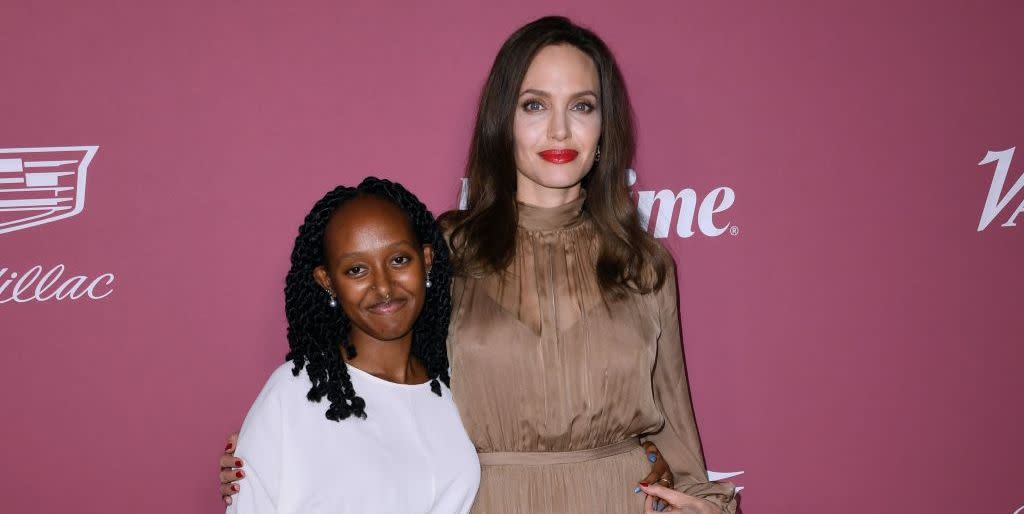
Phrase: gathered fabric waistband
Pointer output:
(545, 458)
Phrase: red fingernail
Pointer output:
(238, 474)
(228, 447)
(645, 484)
(234, 487)
(238, 463)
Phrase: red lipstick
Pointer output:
(559, 156)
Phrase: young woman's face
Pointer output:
(557, 125)
(375, 268)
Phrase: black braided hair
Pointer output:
(315, 329)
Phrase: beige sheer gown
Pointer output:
(554, 388)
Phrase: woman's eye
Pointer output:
(354, 271)
(401, 259)
(583, 107)
(532, 105)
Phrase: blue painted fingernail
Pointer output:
(637, 489)
(652, 457)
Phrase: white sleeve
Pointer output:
(260, 447)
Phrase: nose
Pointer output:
(558, 125)
(382, 282)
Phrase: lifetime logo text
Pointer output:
(717, 201)
(994, 203)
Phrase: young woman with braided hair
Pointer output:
(367, 301)
(565, 345)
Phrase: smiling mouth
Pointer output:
(387, 307)
(559, 156)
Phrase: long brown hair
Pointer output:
(483, 237)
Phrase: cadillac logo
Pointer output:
(42, 185)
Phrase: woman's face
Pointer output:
(375, 268)
(557, 125)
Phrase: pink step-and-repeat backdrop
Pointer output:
(836, 180)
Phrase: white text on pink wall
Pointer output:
(996, 201)
(34, 285)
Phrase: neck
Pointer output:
(531, 194)
(388, 360)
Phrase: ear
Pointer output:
(320, 276)
(428, 255)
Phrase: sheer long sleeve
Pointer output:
(259, 446)
(678, 440)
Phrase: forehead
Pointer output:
(558, 68)
(364, 223)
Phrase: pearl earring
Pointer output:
(333, 301)
(429, 283)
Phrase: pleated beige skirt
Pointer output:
(564, 484)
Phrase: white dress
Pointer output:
(410, 455)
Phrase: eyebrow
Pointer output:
(396, 244)
(545, 94)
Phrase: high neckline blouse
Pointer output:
(533, 218)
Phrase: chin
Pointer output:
(391, 335)
(558, 179)
(390, 331)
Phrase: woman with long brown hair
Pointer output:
(564, 342)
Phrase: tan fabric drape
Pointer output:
(540, 363)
